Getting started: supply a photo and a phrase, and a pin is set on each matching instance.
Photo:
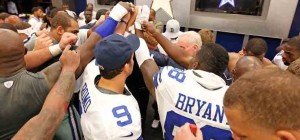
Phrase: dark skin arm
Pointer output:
(174, 51)
(45, 124)
(98, 23)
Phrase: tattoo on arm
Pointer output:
(44, 125)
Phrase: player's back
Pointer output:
(105, 114)
(192, 96)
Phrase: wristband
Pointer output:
(142, 53)
(107, 27)
(55, 50)
(118, 12)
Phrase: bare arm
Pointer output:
(87, 50)
(51, 73)
(44, 125)
(36, 58)
(98, 23)
(149, 68)
(174, 51)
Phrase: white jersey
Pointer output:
(192, 96)
(278, 61)
(107, 115)
(35, 24)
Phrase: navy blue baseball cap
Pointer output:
(115, 50)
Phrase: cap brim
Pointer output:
(173, 35)
(134, 42)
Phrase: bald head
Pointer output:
(12, 19)
(11, 52)
(10, 43)
(246, 64)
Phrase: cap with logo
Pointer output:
(172, 29)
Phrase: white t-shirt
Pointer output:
(192, 96)
(82, 36)
(81, 15)
(82, 22)
(278, 61)
(107, 115)
(35, 23)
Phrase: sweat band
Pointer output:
(107, 27)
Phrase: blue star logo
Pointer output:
(223, 2)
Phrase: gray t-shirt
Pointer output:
(21, 97)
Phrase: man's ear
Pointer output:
(60, 30)
(285, 135)
(244, 51)
(195, 47)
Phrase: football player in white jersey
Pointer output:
(192, 96)
(109, 111)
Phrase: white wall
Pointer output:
(276, 21)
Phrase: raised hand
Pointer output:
(149, 27)
(69, 59)
(120, 10)
(67, 39)
(127, 5)
(143, 15)
(185, 133)
(44, 31)
(43, 41)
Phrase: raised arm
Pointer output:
(174, 51)
(146, 64)
(104, 30)
(41, 52)
(44, 125)
(87, 49)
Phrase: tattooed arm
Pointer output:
(44, 125)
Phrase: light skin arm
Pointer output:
(184, 133)
(41, 52)
(36, 58)
(45, 124)
(174, 51)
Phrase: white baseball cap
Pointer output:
(173, 29)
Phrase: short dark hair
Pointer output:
(89, 10)
(63, 20)
(8, 26)
(34, 9)
(257, 46)
(4, 15)
(112, 73)
(295, 42)
(212, 58)
(100, 13)
(54, 12)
